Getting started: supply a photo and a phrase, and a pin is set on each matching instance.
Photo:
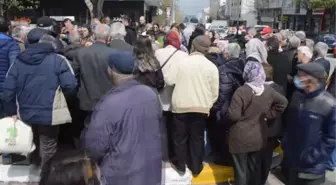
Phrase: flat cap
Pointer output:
(313, 69)
(122, 61)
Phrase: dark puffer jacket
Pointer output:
(9, 50)
(309, 133)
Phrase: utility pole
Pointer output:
(173, 12)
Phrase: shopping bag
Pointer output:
(15, 137)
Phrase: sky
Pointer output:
(193, 7)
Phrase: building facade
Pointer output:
(214, 8)
(242, 12)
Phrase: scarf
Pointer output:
(254, 76)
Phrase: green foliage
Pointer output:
(317, 3)
(20, 4)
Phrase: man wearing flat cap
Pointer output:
(196, 89)
(309, 131)
(124, 133)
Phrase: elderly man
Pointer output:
(231, 77)
(305, 54)
(302, 36)
(118, 33)
(199, 76)
(91, 64)
(321, 51)
(19, 33)
(124, 134)
(309, 133)
(142, 25)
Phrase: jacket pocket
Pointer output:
(309, 157)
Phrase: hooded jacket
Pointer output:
(32, 82)
(9, 50)
(131, 35)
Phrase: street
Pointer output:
(332, 61)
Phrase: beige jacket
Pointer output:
(196, 83)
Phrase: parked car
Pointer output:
(328, 38)
(334, 52)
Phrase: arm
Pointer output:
(322, 152)
(9, 93)
(170, 75)
(76, 65)
(235, 109)
(225, 92)
(14, 51)
(96, 137)
(66, 77)
(214, 84)
(278, 106)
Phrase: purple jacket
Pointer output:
(124, 135)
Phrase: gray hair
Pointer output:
(233, 50)
(101, 32)
(306, 51)
(74, 38)
(294, 42)
(321, 49)
(118, 30)
(310, 44)
(48, 39)
(301, 35)
(19, 31)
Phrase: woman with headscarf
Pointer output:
(148, 67)
(256, 51)
(252, 104)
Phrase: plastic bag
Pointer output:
(15, 137)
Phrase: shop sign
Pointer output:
(318, 11)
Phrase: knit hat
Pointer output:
(313, 69)
(122, 61)
(45, 22)
(201, 44)
(35, 35)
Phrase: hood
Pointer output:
(234, 65)
(35, 34)
(35, 53)
(5, 39)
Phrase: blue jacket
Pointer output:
(230, 78)
(309, 133)
(124, 135)
(9, 50)
(33, 80)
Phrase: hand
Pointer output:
(14, 117)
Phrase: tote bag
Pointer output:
(15, 137)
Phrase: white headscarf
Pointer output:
(256, 49)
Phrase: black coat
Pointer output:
(131, 35)
(121, 45)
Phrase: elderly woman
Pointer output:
(320, 52)
(118, 33)
(302, 36)
(256, 51)
(305, 54)
(231, 77)
(252, 104)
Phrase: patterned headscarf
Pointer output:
(254, 74)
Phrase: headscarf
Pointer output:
(256, 49)
(172, 39)
(254, 76)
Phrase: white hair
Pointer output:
(101, 32)
(321, 49)
(20, 31)
(306, 51)
(295, 42)
(74, 38)
(301, 35)
(310, 44)
(233, 49)
(48, 39)
(118, 30)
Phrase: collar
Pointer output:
(196, 53)
(314, 94)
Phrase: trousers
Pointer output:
(247, 168)
(267, 158)
(188, 138)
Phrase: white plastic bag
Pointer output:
(171, 177)
(15, 137)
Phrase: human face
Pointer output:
(107, 20)
(85, 32)
(156, 28)
(309, 84)
(301, 57)
(142, 20)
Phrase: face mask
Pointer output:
(297, 82)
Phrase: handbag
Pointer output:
(15, 137)
(168, 58)
(60, 113)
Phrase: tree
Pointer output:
(95, 8)
(329, 6)
(162, 19)
(20, 5)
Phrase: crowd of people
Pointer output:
(127, 98)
